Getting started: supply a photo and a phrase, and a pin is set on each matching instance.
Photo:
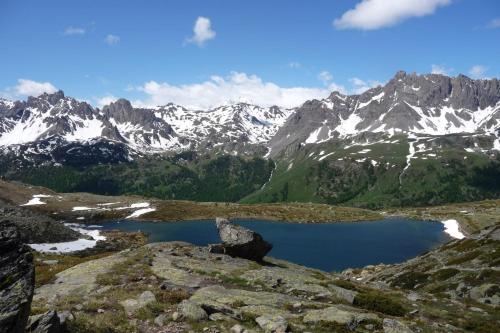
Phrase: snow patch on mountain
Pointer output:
(257, 124)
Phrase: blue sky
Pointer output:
(268, 52)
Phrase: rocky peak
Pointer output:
(53, 98)
(119, 106)
(122, 111)
(399, 75)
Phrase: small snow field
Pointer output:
(452, 228)
(72, 246)
(106, 207)
(140, 212)
(80, 208)
(140, 205)
(64, 247)
(139, 208)
(325, 156)
(36, 200)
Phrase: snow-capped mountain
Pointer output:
(239, 122)
(161, 129)
(409, 103)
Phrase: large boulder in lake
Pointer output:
(241, 242)
(17, 280)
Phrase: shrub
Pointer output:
(380, 302)
(445, 274)
(172, 296)
(410, 279)
(464, 258)
(346, 284)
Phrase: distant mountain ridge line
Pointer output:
(430, 104)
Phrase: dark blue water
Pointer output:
(330, 247)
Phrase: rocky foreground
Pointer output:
(179, 287)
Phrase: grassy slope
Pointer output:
(371, 179)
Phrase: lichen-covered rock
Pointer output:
(395, 326)
(297, 278)
(132, 305)
(65, 316)
(238, 241)
(237, 329)
(235, 302)
(47, 322)
(345, 294)
(272, 324)
(488, 293)
(340, 315)
(192, 311)
(79, 280)
(17, 280)
(160, 319)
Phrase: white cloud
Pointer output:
(375, 14)
(105, 100)
(325, 77)
(478, 71)
(69, 31)
(233, 88)
(294, 64)
(360, 86)
(337, 87)
(202, 31)
(495, 23)
(440, 69)
(112, 39)
(26, 87)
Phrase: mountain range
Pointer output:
(321, 150)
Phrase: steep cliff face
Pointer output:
(17, 280)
